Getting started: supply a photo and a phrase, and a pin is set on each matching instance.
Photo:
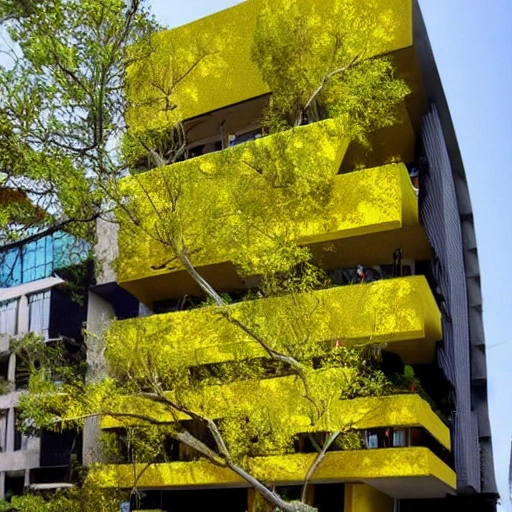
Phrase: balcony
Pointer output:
(232, 49)
(398, 472)
(401, 313)
(236, 95)
(230, 240)
(393, 411)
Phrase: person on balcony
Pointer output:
(367, 275)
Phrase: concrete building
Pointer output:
(34, 299)
(418, 454)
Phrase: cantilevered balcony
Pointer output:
(393, 411)
(228, 98)
(231, 49)
(401, 313)
(359, 217)
(399, 472)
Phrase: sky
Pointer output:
(472, 45)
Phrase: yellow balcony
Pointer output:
(398, 472)
(401, 313)
(232, 214)
(292, 408)
(227, 75)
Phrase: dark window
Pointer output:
(4, 368)
(329, 497)
(227, 500)
(58, 447)
(14, 484)
(18, 436)
(4, 415)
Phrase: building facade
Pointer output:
(398, 213)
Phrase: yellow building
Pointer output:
(398, 211)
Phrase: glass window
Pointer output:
(37, 259)
(372, 439)
(39, 313)
(10, 268)
(9, 317)
(399, 437)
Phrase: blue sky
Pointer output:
(472, 44)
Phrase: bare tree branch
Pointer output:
(318, 460)
(323, 83)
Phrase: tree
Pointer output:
(86, 497)
(161, 89)
(329, 63)
(154, 395)
(62, 110)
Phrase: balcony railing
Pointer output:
(401, 313)
(415, 472)
(375, 208)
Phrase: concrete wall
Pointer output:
(99, 315)
(105, 250)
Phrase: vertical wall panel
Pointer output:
(440, 215)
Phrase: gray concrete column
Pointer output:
(23, 315)
(99, 315)
(2, 485)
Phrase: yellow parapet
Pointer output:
(403, 472)
(401, 313)
(293, 408)
(234, 206)
(224, 40)
(231, 204)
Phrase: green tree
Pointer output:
(154, 394)
(153, 397)
(85, 497)
(328, 62)
(62, 104)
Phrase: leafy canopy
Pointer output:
(324, 60)
(62, 103)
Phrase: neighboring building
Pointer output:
(40, 258)
(33, 299)
(414, 461)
